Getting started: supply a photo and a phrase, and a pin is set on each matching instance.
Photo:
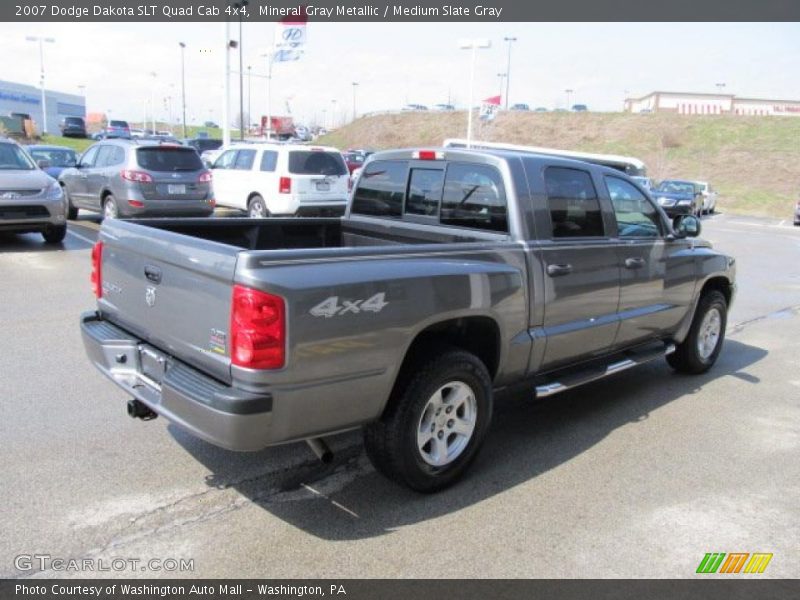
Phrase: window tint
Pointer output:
(244, 160)
(269, 160)
(166, 158)
(87, 160)
(424, 192)
(636, 216)
(226, 160)
(574, 208)
(381, 188)
(317, 162)
(103, 155)
(474, 197)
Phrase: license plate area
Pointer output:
(176, 188)
(323, 186)
(154, 363)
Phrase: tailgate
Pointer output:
(318, 175)
(171, 290)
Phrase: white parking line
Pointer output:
(80, 237)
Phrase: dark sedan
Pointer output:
(679, 197)
(53, 159)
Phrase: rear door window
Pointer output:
(572, 200)
(316, 162)
(244, 160)
(168, 159)
(269, 160)
(381, 189)
(474, 197)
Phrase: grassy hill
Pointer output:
(753, 161)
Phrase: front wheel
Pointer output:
(699, 351)
(54, 234)
(436, 421)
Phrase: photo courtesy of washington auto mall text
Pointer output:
(396, 299)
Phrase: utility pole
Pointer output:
(510, 41)
(183, 86)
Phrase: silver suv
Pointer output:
(126, 178)
(30, 200)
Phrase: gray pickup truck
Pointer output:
(454, 275)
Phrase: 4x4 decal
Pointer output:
(330, 307)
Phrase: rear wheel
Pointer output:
(110, 209)
(699, 351)
(257, 208)
(435, 423)
(54, 234)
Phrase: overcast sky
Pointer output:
(401, 63)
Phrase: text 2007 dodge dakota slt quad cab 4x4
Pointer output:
(454, 274)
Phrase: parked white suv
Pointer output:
(709, 197)
(281, 179)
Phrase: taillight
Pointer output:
(137, 176)
(258, 329)
(97, 272)
(205, 177)
(285, 185)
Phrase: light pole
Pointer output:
(42, 40)
(355, 85)
(510, 41)
(249, 95)
(226, 94)
(569, 93)
(270, 56)
(333, 114)
(183, 86)
(472, 45)
(502, 77)
(153, 74)
(719, 87)
(82, 89)
(240, 6)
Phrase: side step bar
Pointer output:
(577, 378)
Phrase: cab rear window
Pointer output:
(381, 189)
(316, 162)
(169, 159)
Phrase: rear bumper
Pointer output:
(167, 208)
(211, 410)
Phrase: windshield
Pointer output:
(13, 158)
(123, 124)
(169, 159)
(58, 157)
(675, 187)
(316, 163)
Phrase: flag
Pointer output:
(489, 108)
(291, 36)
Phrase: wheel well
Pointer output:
(478, 335)
(104, 195)
(720, 284)
(251, 196)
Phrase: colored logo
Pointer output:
(734, 562)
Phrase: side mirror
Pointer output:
(43, 163)
(686, 226)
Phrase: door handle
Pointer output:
(634, 263)
(559, 270)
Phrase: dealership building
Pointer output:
(711, 104)
(21, 98)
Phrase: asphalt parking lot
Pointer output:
(639, 475)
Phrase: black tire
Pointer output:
(72, 212)
(392, 442)
(54, 234)
(110, 208)
(257, 208)
(688, 357)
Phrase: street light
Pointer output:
(472, 45)
(502, 77)
(240, 6)
(333, 114)
(355, 85)
(569, 93)
(183, 86)
(42, 40)
(153, 74)
(249, 95)
(719, 86)
(510, 41)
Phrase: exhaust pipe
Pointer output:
(320, 449)
(139, 410)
